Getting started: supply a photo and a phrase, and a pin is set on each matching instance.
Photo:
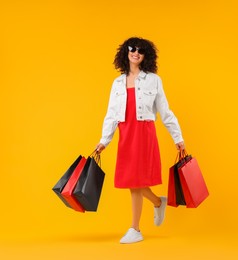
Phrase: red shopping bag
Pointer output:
(194, 187)
(67, 192)
(175, 191)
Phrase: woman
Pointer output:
(136, 97)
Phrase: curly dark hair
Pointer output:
(148, 64)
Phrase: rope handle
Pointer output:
(96, 157)
(181, 155)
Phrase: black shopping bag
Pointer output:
(89, 186)
(175, 190)
(178, 187)
(59, 186)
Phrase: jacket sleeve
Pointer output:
(167, 116)
(110, 122)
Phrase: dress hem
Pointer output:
(137, 187)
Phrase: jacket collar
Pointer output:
(141, 75)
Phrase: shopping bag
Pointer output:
(59, 186)
(89, 186)
(193, 184)
(171, 188)
(67, 192)
(175, 192)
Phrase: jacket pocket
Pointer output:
(150, 92)
(119, 93)
(149, 96)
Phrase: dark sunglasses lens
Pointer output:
(141, 51)
(132, 49)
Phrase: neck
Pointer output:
(134, 70)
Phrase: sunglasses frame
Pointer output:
(134, 49)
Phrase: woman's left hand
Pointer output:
(180, 146)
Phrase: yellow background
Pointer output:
(56, 73)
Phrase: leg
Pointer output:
(159, 205)
(147, 193)
(137, 202)
(133, 234)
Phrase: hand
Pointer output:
(180, 146)
(100, 148)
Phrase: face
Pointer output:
(135, 55)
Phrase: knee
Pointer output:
(136, 191)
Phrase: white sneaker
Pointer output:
(159, 212)
(131, 236)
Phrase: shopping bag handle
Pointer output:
(96, 157)
(181, 155)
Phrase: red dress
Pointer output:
(138, 158)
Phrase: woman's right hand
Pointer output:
(100, 148)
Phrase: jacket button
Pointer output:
(138, 88)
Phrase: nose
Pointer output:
(136, 52)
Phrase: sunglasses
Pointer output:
(133, 49)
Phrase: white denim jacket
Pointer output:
(150, 99)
